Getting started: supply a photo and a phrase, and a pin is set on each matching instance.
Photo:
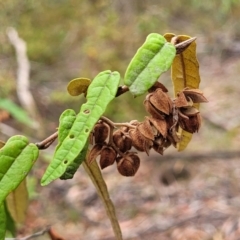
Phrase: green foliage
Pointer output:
(100, 92)
(151, 60)
(16, 160)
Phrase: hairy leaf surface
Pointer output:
(153, 58)
(16, 160)
(185, 73)
(100, 92)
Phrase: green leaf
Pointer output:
(73, 166)
(153, 58)
(18, 113)
(16, 160)
(66, 121)
(3, 222)
(100, 92)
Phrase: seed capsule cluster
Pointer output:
(158, 131)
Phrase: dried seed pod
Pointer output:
(147, 130)
(195, 94)
(172, 138)
(128, 164)
(156, 86)
(139, 141)
(123, 142)
(181, 100)
(161, 101)
(191, 111)
(192, 124)
(107, 157)
(160, 144)
(152, 110)
(158, 148)
(101, 132)
(95, 151)
(160, 125)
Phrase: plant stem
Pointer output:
(96, 176)
(47, 141)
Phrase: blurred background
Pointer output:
(189, 195)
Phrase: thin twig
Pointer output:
(121, 90)
(47, 141)
(37, 234)
(113, 124)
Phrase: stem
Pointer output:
(96, 177)
(114, 125)
(121, 90)
(47, 141)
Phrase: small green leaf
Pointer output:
(73, 166)
(16, 160)
(78, 86)
(153, 58)
(100, 92)
(18, 113)
(66, 121)
(3, 222)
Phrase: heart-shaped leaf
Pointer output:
(16, 160)
(153, 58)
(100, 92)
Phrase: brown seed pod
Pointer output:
(160, 144)
(95, 151)
(147, 130)
(195, 94)
(107, 157)
(160, 125)
(192, 124)
(122, 141)
(161, 101)
(158, 148)
(139, 141)
(156, 86)
(152, 110)
(181, 100)
(128, 164)
(172, 138)
(191, 111)
(101, 132)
